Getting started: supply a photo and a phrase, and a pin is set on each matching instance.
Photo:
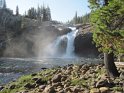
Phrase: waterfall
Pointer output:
(70, 43)
(55, 49)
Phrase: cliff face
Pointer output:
(83, 43)
(33, 38)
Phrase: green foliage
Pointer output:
(108, 23)
(86, 18)
(9, 21)
(77, 81)
(22, 81)
(80, 19)
(41, 13)
(117, 89)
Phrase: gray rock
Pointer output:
(95, 90)
(57, 84)
(34, 74)
(85, 67)
(68, 89)
(1, 87)
(84, 46)
(122, 75)
(63, 78)
(35, 79)
(101, 83)
(61, 91)
(42, 86)
(40, 82)
(57, 78)
(12, 87)
(49, 89)
(86, 91)
(104, 90)
(29, 86)
(69, 68)
(76, 90)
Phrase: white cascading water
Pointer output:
(52, 50)
(70, 42)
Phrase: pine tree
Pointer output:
(48, 13)
(44, 14)
(75, 18)
(17, 11)
(4, 4)
(107, 18)
(0, 3)
(38, 13)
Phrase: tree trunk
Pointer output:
(110, 65)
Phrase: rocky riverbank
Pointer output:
(85, 78)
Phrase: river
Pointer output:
(13, 68)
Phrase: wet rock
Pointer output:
(49, 89)
(57, 78)
(104, 89)
(29, 86)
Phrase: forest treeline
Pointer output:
(84, 19)
(41, 13)
(13, 21)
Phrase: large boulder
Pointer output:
(84, 45)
